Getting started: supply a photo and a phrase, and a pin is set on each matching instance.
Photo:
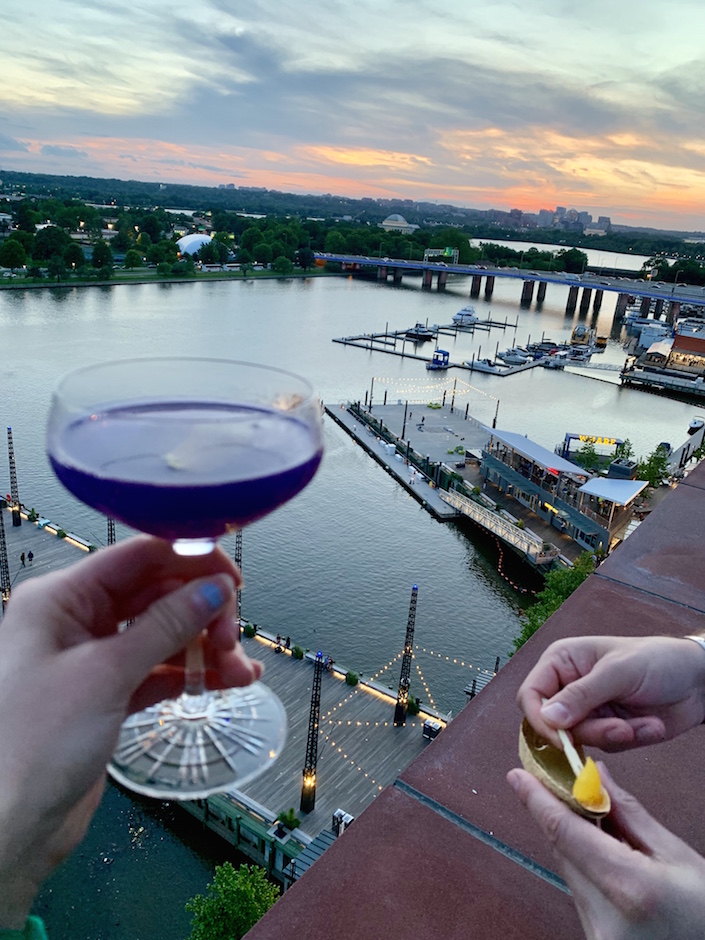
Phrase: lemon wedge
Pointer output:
(588, 789)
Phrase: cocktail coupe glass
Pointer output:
(189, 450)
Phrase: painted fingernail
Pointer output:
(554, 712)
(211, 595)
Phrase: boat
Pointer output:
(483, 365)
(513, 357)
(601, 343)
(465, 317)
(582, 336)
(695, 425)
(439, 361)
(420, 333)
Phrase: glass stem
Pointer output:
(195, 675)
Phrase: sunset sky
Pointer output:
(486, 103)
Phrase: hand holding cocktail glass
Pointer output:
(188, 450)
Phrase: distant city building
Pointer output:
(604, 222)
(545, 218)
(397, 223)
(560, 212)
(585, 218)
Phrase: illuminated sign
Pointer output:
(591, 439)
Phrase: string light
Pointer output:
(458, 662)
(425, 685)
(350, 761)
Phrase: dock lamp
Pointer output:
(308, 791)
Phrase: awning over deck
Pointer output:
(619, 492)
(534, 452)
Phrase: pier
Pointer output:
(386, 342)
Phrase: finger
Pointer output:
(574, 703)
(599, 857)
(121, 581)
(165, 682)
(619, 734)
(168, 626)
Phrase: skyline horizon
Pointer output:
(495, 106)
(340, 195)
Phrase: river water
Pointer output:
(334, 568)
(607, 261)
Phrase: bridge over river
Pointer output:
(590, 282)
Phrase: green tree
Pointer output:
(655, 468)
(144, 240)
(26, 239)
(306, 259)
(282, 265)
(102, 256)
(625, 449)
(262, 253)
(56, 268)
(559, 585)
(244, 257)
(233, 903)
(587, 456)
(50, 241)
(12, 254)
(336, 243)
(74, 256)
(133, 258)
(250, 237)
(164, 268)
(573, 260)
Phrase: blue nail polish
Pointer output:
(213, 596)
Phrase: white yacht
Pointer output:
(465, 317)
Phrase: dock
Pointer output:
(386, 342)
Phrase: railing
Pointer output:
(526, 542)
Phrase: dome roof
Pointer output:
(190, 244)
(395, 217)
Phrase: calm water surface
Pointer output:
(334, 568)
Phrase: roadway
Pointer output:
(681, 293)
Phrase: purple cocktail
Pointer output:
(188, 450)
(185, 470)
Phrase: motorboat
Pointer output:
(695, 425)
(582, 336)
(440, 360)
(420, 333)
(513, 357)
(465, 317)
(483, 365)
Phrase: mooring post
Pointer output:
(452, 402)
(403, 426)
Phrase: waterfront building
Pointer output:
(594, 512)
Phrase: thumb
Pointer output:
(171, 623)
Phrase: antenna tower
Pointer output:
(111, 530)
(405, 677)
(308, 788)
(5, 585)
(14, 492)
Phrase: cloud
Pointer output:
(57, 150)
(10, 144)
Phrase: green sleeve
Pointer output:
(33, 930)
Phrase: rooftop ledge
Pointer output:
(447, 851)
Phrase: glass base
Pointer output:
(195, 745)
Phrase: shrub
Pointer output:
(459, 449)
(32, 515)
(289, 819)
(435, 405)
(414, 705)
(519, 523)
(351, 678)
(250, 630)
(297, 652)
(61, 533)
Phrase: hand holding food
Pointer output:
(616, 692)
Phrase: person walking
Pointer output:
(22, 559)
(30, 558)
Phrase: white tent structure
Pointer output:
(190, 244)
